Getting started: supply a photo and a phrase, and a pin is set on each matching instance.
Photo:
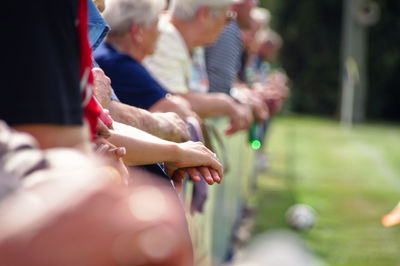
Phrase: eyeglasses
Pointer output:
(230, 15)
(253, 2)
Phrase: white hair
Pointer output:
(187, 9)
(122, 14)
(261, 16)
(269, 36)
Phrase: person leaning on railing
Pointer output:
(143, 149)
(189, 24)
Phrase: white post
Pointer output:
(350, 79)
(357, 16)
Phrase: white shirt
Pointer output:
(198, 81)
(171, 62)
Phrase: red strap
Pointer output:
(92, 109)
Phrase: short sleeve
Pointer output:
(131, 82)
(114, 97)
(134, 86)
(170, 64)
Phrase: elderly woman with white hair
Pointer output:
(133, 36)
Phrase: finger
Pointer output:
(169, 171)
(102, 130)
(215, 176)
(247, 116)
(233, 127)
(262, 114)
(229, 130)
(178, 177)
(216, 165)
(219, 170)
(103, 148)
(205, 172)
(250, 118)
(261, 111)
(179, 174)
(194, 174)
(208, 159)
(178, 184)
(120, 152)
(185, 135)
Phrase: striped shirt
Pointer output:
(223, 59)
(171, 62)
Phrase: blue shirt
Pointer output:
(131, 82)
(97, 26)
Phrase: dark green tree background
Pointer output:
(311, 30)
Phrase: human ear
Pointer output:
(203, 13)
(136, 33)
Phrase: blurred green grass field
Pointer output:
(350, 177)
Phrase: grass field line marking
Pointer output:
(386, 170)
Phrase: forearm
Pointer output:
(142, 148)
(208, 105)
(134, 117)
(173, 104)
(167, 126)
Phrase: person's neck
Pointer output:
(239, 20)
(188, 32)
(125, 45)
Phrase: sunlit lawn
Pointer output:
(350, 177)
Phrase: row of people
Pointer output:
(133, 105)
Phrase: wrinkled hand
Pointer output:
(102, 130)
(182, 106)
(279, 77)
(275, 105)
(176, 104)
(173, 103)
(102, 87)
(273, 98)
(278, 82)
(240, 119)
(171, 127)
(259, 107)
(195, 159)
(274, 91)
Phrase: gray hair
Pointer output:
(271, 36)
(187, 9)
(261, 16)
(122, 14)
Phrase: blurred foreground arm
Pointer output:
(143, 224)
